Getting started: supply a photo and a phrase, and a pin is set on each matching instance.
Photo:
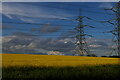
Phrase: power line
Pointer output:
(75, 9)
(46, 36)
(35, 23)
(71, 9)
(38, 30)
(54, 24)
(55, 18)
(3, 11)
(62, 18)
(38, 17)
(85, 6)
(44, 25)
(95, 12)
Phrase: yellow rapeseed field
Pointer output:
(53, 60)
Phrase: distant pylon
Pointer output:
(118, 26)
(116, 31)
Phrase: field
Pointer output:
(46, 67)
(53, 60)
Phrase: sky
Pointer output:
(60, 0)
(36, 27)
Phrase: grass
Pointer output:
(51, 67)
(99, 72)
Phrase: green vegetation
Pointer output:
(98, 72)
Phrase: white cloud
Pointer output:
(27, 20)
(10, 17)
(114, 46)
(20, 9)
(94, 46)
(26, 10)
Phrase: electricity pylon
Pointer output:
(81, 44)
(116, 30)
(118, 26)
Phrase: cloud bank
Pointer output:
(47, 28)
(21, 42)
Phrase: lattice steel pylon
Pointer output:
(115, 42)
(116, 31)
(118, 26)
(81, 44)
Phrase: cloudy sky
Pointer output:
(30, 27)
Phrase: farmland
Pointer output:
(53, 60)
(53, 67)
